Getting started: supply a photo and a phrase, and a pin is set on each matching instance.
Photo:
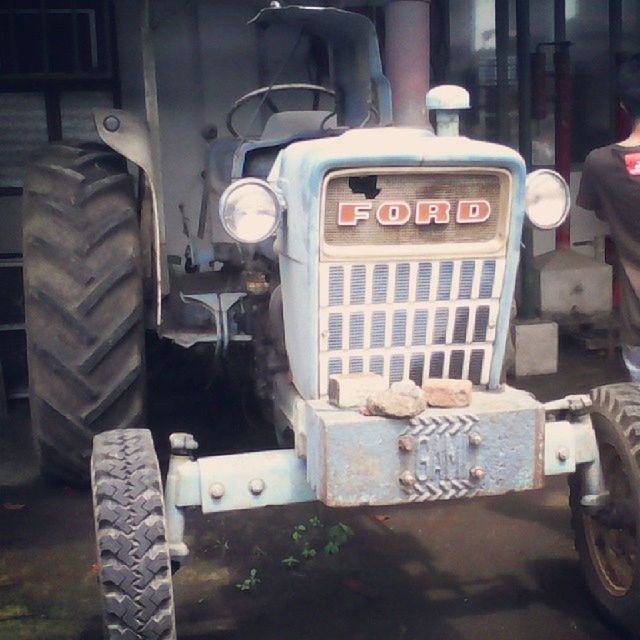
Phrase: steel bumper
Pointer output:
(493, 446)
(504, 441)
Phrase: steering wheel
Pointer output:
(266, 92)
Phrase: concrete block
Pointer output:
(353, 389)
(568, 283)
(447, 393)
(536, 344)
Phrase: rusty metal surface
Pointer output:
(410, 187)
(491, 447)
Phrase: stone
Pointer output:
(447, 393)
(353, 389)
(536, 343)
(403, 399)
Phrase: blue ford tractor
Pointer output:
(362, 264)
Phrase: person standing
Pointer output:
(610, 186)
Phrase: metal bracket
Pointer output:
(576, 404)
(571, 447)
(130, 135)
(138, 140)
(251, 480)
(228, 483)
(181, 489)
(219, 305)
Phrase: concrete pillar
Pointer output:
(407, 43)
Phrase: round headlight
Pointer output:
(250, 210)
(547, 199)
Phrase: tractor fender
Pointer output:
(130, 135)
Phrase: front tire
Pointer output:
(83, 303)
(133, 554)
(608, 541)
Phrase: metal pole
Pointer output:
(502, 69)
(153, 120)
(615, 42)
(527, 308)
(524, 79)
(407, 44)
(562, 66)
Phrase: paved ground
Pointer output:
(499, 568)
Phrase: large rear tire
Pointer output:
(83, 303)
(133, 554)
(608, 541)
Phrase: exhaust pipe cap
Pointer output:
(449, 97)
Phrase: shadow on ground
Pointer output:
(499, 568)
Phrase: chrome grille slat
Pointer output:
(335, 365)
(378, 328)
(475, 366)
(358, 284)
(376, 365)
(439, 334)
(335, 332)
(336, 285)
(420, 323)
(403, 272)
(487, 279)
(396, 368)
(461, 324)
(456, 364)
(380, 283)
(423, 285)
(416, 368)
(399, 329)
(481, 324)
(444, 280)
(410, 319)
(436, 365)
(467, 271)
(356, 331)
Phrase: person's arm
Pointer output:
(588, 197)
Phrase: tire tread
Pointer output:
(619, 405)
(83, 302)
(135, 567)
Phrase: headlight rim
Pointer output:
(567, 207)
(251, 181)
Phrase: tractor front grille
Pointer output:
(409, 319)
(410, 187)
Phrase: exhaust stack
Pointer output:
(407, 60)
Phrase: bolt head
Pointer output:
(111, 123)
(478, 473)
(563, 454)
(216, 490)
(257, 486)
(406, 443)
(475, 439)
(407, 478)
